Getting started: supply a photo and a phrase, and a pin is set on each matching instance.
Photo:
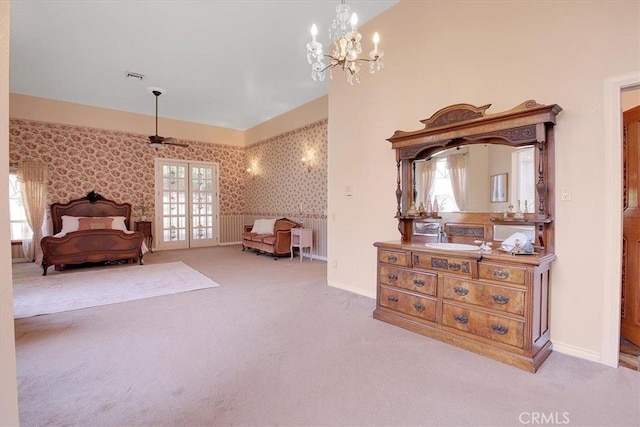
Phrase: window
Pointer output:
(20, 229)
(524, 173)
(442, 188)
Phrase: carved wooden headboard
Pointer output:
(87, 207)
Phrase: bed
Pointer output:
(91, 230)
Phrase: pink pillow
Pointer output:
(95, 223)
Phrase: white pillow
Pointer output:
(72, 223)
(118, 223)
(69, 224)
(263, 226)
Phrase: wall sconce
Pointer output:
(253, 169)
(306, 163)
(308, 159)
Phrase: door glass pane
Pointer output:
(202, 197)
(174, 203)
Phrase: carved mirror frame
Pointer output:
(529, 123)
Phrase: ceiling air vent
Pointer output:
(133, 75)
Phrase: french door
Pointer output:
(187, 205)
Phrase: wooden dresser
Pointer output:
(487, 302)
(491, 302)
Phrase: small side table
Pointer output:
(301, 238)
(145, 228)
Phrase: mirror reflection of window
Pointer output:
(523, 171)
(480, 162)
(438, 180)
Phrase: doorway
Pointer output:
(630, 277)
(612, 244)
(187, 204)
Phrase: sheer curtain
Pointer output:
(33, 179)
(456, 163)
(426, 173)
(425, 178)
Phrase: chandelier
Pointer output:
(346, 48)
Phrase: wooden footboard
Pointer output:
(84, 246)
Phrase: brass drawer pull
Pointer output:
(392, 298)
(392, 258)
(454, 266)
(499, 329)
(393, 277)
(460, 291)
(500, 299)
(460, 318)
(501, 274)
(418, 306)
(416, 259)
(418, 282)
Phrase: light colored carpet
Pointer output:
(101, 286)
(276, 346)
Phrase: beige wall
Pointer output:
(46, 110)
(310, 112)
(8, 381)
(440, 53)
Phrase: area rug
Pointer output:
(102, 286)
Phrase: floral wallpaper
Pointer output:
(117, 165)
(120, 166)
(279, 184)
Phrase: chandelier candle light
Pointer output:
(346, 48)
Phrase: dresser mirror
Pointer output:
(502, 231)
(480, 163)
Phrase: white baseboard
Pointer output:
(229, 243)
(351, 289)
(580, 352)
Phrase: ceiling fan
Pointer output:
(156, 141)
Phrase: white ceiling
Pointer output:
(233, 64)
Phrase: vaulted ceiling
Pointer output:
(233, 64)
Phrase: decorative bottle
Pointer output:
(412, 211)
(518, 214)
(428, 209)
(435, 208)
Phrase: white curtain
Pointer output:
(33, 179)
(425, 178)
(456, 164)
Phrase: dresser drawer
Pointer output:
(393, 257)
(501, 273)
(495, 297)
(408, 279)
(413, 305)
(496, 328)
(443, 263)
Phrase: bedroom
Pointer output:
(430, 69)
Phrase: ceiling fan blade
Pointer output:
(156, 139)
(172, 141)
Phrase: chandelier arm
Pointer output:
(338, 61)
